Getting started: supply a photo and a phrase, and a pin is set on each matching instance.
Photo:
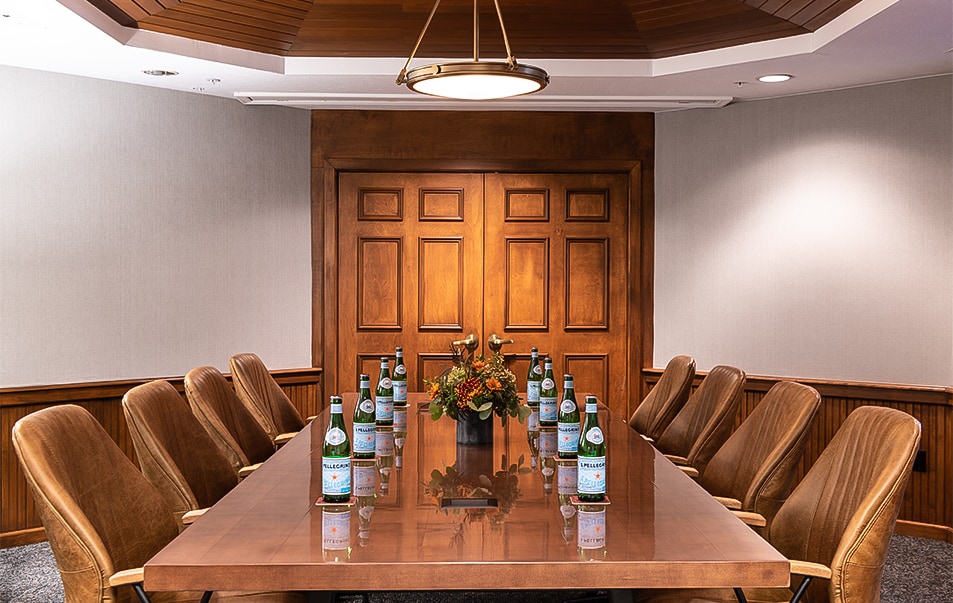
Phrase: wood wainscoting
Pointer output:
(19, 522)
(928, 506)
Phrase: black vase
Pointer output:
(474, 431)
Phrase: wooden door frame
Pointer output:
(389, 142)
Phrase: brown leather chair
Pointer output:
(264, 398)
(665, 400)
(754, 470)
(175, 452)
(234, 430)
(705, 422)
(836, 525)
(103, 519)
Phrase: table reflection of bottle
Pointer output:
(336, 534)
(400, 433)
(566, 489)
(548, 442)
(591, 532)
(532, 435)
(385, 457)
(365, 490)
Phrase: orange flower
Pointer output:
(434, 390)
(478, 365)
(493, 385)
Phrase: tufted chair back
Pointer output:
(175, 452)
(705, 422)
(234, 430)
(843, 512)
(665, 400)
(101, 515)
(758, 462)
(263, 397)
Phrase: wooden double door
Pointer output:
(429, 258)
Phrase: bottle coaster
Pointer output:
(574, 500)
(323, 503)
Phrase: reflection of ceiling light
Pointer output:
(476, 80)
(159, 72)
(775, 78)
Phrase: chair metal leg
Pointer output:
(801, 588)
(206, 596)
(140, 593)
(741, 595)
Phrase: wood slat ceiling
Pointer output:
(598, 29)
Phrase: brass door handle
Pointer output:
(471, 342)
(496, 343)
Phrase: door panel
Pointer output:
(426, 259)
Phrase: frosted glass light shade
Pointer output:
(476, 81)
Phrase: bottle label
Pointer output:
(591, 529)
(548, 409)
(337, 408)
(335, 436)
(567, 406)
(335, 475)
(592, 407)
(548, 383)
(385, 408)
(532, 392)
(400, 420)
(386, 383)
(567, 385)
(532, 421)
(537, 370)
(568, 437)
(385, 442)
(363, 438)
(547, 443)
(568, 476)
(365, 479)
(336, 530)
(594, 436)
(400, 369)
(367, 405)
(591, 475)
(400, 393)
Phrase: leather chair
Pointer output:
(705, 422)
(234, 430)
(836, 525)
(103, 519)
(264, 398)
(754, 470)
(175, 453)
(668, 396)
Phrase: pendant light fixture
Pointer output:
(474, 80)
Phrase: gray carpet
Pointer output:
(917, 571)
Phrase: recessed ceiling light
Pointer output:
(775, 78)
(159, 72)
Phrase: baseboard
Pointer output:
(22, 537)
(924, 530)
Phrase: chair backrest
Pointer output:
(175, 452)
(665, 400)
(705, 422)
(843, 512)
(262, 396)
(234, 430)
(101, 515)
(758, 462)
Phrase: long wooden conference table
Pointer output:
(429, 515)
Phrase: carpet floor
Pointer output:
(917, 571)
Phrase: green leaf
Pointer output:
(485, 406)
(435, 474)
(436, 411)
(486, 413)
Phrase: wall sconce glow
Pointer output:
(775, 78)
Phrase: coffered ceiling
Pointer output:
(602, 55)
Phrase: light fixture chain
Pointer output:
(402, 76)
(510, 59)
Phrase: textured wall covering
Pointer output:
(144, 232)
(810, 236)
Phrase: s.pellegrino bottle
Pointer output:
(591, 463)
(336, 457)
(548, 397)
(399, 380)
(364, 421)
(568, 425)
(384, 397)
(534, 376)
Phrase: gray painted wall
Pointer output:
(810, 236)
(145, 232)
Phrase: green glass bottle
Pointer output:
(336, 457)
(591, 463)
(399, 380)
(384, 396)
(548, 397)
(568, 425)
(364, 421)
(534, 376)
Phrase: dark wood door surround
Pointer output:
(510, 148)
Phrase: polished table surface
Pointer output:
(659, 530)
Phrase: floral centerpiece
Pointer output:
(476, 388)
